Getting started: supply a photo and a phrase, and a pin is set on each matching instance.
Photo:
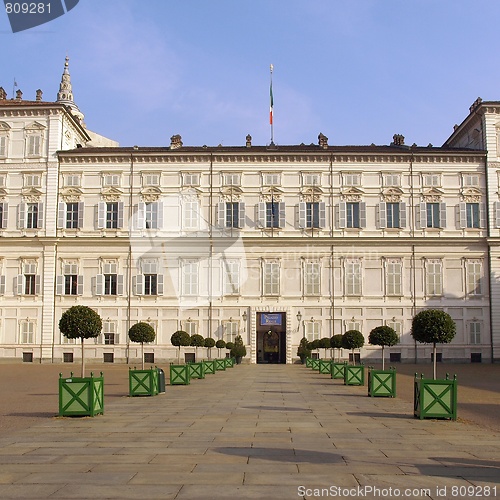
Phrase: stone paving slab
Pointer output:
(258, 431)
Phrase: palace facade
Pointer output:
(270, 242)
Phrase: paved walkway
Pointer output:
(254, 431)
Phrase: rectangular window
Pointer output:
(471, 180)
(151, 215)
(190, 278)
(272, 214)
(110, 284)
(353, 278)
(232, 179)
(312, 330)
(71, 284)
(272, 179)
(191, 327)
(111, 180)
(34, 145)
(109, 332)
(191, 215)
(231, 276)
(271, 278)
(312, 278)
(432, 217)
(191, 179)
(312, 215)
(151, 180)
(27, 332)
(232, 214)
(29, 284)
(231, 330)
(3, 224)
(392, 180)
(393, 220)
(311, 179)
(32, 180)
(3, 146)
(32, 215)
(475, 332)
(431, 180)
(351, 179)
(352, 214)
(150, 284)
(434, 277)
(394, 277)
(72, 180)
(397, 326)
(472, 215)
(72, 215)
(112, 215)
(474, 276)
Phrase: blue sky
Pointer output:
(358, 71)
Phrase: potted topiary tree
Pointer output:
(220, 344)
(197, 368)
(303, 351)
(197, 341)
(324, 364)
(209, 344)
(353, 375)
(85, 395)
(336, 343)
(238, 350)
(337, 368)
(382, 382)
(180, 339)
(143, 382)
(179, 374)
(432, 397)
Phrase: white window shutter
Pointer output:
(221, 214)
(261, 214)
(382, 215)
(40, 221)
(423, 215)
(342, 214)
(402, 215)
(119, 284)
(99, 284)
(462, 215)
(362, 214)
(120, 214)
(19, 284)
(81, 207)
(482, 215)
(139, 284)
(37, 284)
(302, 215)
(322, 214)
(61, 215)
(60, 285)
(442, 215)
(241, 214)
(159, 284)
(141, 216)
(5, 215)
(101, 215)
(79, 285)
(21, 215)
(281, 206)
(2, 285)
(159, 220)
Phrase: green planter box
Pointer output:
(230, 362)
(337, 370)
(435, 398)
(309, 362)
(220, 364)
(325, 366)
(81, 396)
(354, 375)
(315, 364)
(382, 383)
(179, 375)
(209, 366)
(197, 370)
(143, 382)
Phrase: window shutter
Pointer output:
(261, 214)
(402, 215)
(59, 285)
(496, 207)
(241, 214)
(302, 208)
(159, 220)
(79, 285)
(382, 215)
(141, 216)
(2, 285)
(37, 284)
(362, 214)
(442, 215)
(482, 215)
(19, 284)
(101, 215)
(5, 215)
(119, 284)
(423, 215)
(342, 214)
(281, 207)
(21, 215)
(61, 215)
(120, 214)
(221, 214)
(81, 206)
(462, 215)
(138, 281)
(159, 284)
(99, 284)
(40, 222)
(322, 214)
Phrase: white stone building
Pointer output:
(270, 242)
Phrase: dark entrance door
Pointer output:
(271, 338)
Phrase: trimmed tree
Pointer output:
(180, 338)
(197, 341)
(209, 344)
(353, 339)
(433, 326)
(220, 344)
(383, 336)
(142, 332)
(324, 343)
(80, 322)
(336, 343)
(239, 350)
(303, 350)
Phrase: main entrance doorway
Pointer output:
(271, 337)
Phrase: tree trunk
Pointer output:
(142, 354)
(434, 361)
(383, 359)
(353, 358)
(83, 360)
(179, 356)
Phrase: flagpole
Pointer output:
(271, 110)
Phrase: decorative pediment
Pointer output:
(71, 194)
(231, 193)
(471, 195)
(4, 127)
(35, 127)
(432, 195)
(311, 194)
(272, 194)
(31, 194)
(392, 195)
(352, 194)
(111, 194)
(150, 194)
(191, 193)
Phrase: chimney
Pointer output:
(39, 94)
(323, 141)
(175, 142)
(3, 94)
(19, 95)
(398, 140)
(249, 141)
